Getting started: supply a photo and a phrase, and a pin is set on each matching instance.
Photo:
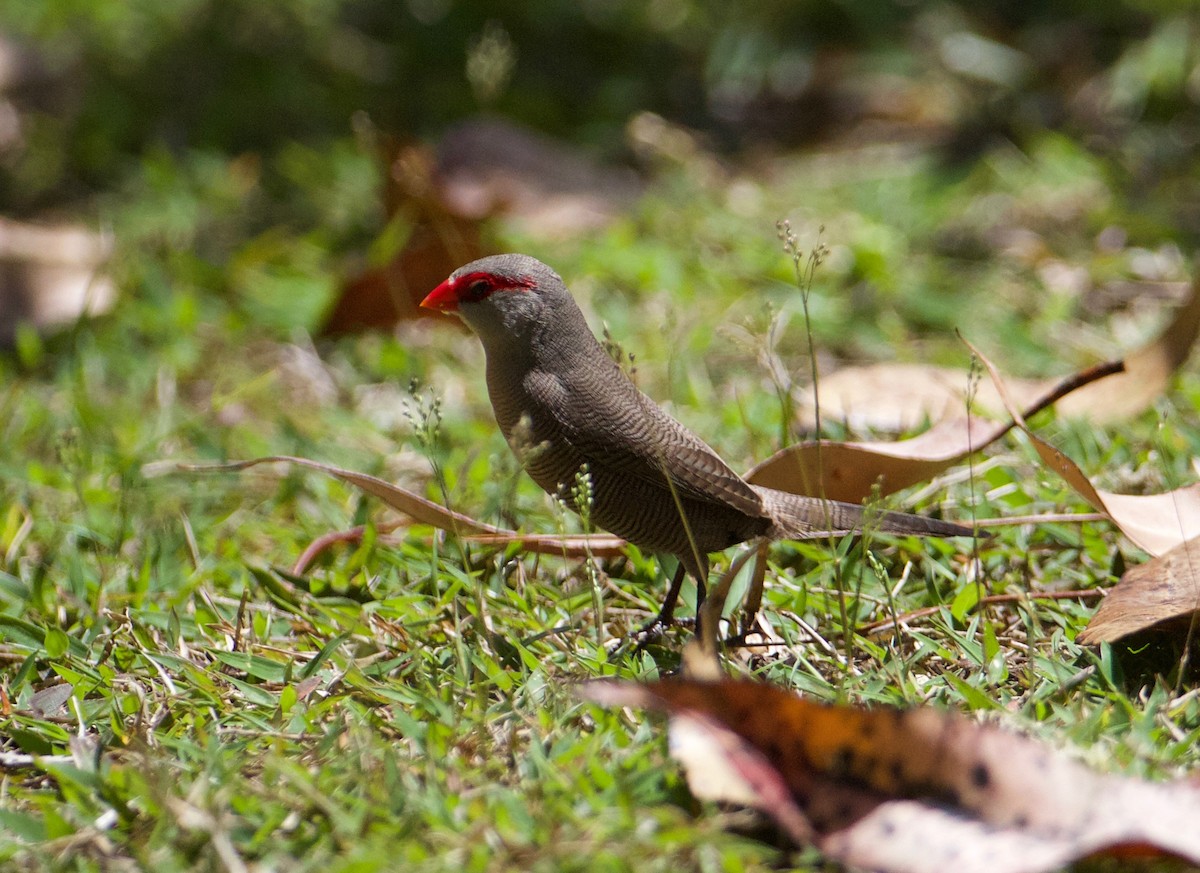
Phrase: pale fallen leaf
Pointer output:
(1148, 371)
(51, 275)
(893, 396)
(1156, 523)
(907, 836)
(1163, 589)
(907, 790)
(896, 396)
(856, 471)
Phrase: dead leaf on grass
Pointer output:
(896, 396)
(856, 471)
(1148, 371)
(1156, 523)
(907, 790)
(1164, 589)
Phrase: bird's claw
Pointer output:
(648, 634)
(651, 632)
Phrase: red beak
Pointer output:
(443, 298)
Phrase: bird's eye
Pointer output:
(477, 290)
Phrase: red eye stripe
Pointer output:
(471, 288)
(474, 287)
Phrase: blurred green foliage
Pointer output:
(115, 82)
(210, 132)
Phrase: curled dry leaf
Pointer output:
(1165, 589)
(1148, 371)
(1155, 522)
(421, 509)
(857, 471)
(894, 396)
(907, 790)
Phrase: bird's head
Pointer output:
(501, 294)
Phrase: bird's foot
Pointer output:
(648, 634)
(651, 632)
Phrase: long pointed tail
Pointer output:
(802, 518)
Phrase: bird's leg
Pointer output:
(701, 596)
(658, 625)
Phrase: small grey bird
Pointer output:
(563, 404)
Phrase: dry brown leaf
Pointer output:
(907, 836)
(436, 242)
(915, 790)
(857, 471)
(853, 472)
(1157, 523)
(422, 510)
(437, 204)
(382, 297)
(1147, 373)
(1164, 589)
(895, 396)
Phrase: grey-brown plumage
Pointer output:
(563, 403)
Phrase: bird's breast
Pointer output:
(528, 409)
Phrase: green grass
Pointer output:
(407, 704)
